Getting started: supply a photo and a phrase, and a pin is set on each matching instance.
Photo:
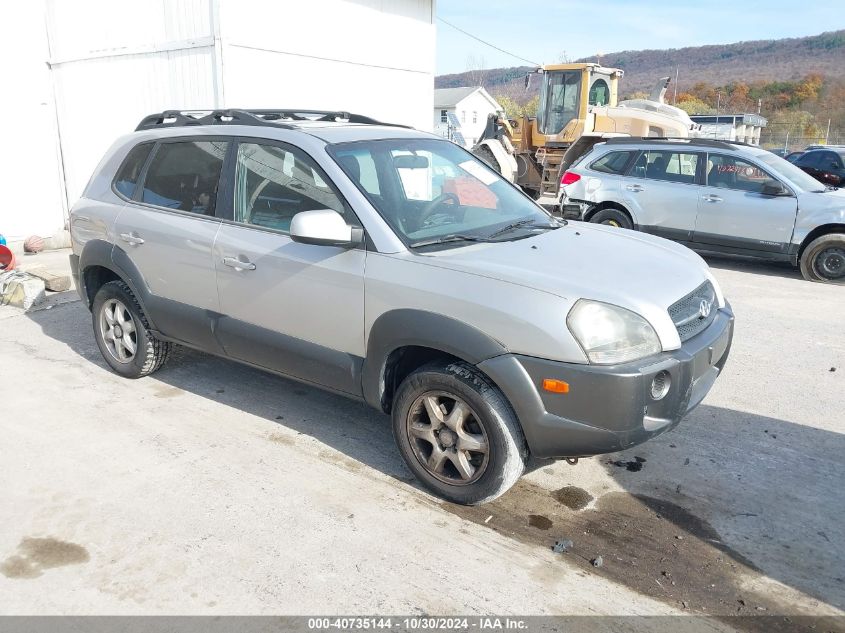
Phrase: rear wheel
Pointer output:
(824, 259)
(613, 217)
(122, 333)
(458, 434)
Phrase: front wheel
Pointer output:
(613, 217)
(458, 434)
(824, 259)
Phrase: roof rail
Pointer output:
(284, 118)
(706, 142)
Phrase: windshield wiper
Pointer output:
(529, 223)
(455, 237)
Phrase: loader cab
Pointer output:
(566, 93)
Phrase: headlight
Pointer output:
(609, 334)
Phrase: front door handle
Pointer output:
(711, 198)
(131, 238)
(238, 264)
(634, 187)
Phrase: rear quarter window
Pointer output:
(127, 176)
(613, 162)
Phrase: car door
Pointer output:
(735, 212)
(290, 307)
(166, 231)
(831, 171)
(661, 191)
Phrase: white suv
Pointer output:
(393, 267)
(713, 196)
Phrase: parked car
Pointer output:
(713, 196)
(393, 267)
(825, 165)
(781, 152)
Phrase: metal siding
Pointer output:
(101, 99)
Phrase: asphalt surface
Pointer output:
(215, 488)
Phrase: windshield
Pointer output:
(427, 190)
(559, 101)
(795, 175)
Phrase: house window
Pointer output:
(443, 117)
(463, 116)
(474, 116)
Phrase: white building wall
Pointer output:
(371, 57)
(111, 62)
(472, 112)
(30, 170)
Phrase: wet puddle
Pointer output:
(650, 545)
(34, 555)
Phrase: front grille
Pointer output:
(688, 313)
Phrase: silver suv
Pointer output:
(713, 196)
(393, 267)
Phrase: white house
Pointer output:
(468, 107)
(79, 74)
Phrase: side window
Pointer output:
(599, 93)
(612, 163)
(668, 166)
(184, 175)
(730, 172)
(831, 161)
(809, 159)
(273, 184)
(127, 175)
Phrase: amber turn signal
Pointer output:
(555, 386)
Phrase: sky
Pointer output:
(544, 31)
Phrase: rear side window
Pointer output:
(668, 166)
(184, 175)
(612, 163)
(810, 159)
(130, 170)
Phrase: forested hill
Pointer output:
(757, 61)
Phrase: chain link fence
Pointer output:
(794, 138)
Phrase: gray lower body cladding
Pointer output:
(610, 408)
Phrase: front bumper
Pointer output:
(610, 408)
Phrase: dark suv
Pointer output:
(825, 165)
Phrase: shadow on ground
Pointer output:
(726, 499)
(751, 265)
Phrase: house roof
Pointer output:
(450, 97)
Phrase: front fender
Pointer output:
(408, 327)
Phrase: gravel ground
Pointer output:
(215, 488)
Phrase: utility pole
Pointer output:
(675, 98)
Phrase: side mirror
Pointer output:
(774, 188)
(324, 227)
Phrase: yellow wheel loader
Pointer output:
(578, 108)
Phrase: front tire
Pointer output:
(122, 333)
(613, 217)
(824, 259)
(458, 434)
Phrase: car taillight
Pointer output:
(568, 178)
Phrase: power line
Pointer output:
(487, 43)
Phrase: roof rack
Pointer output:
(707, 142)
(286, 118)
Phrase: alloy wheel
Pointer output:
(117, 327)
(448, 438)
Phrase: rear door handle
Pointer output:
(711, 198)
(634, 187)
(132, 239)
(238, 264)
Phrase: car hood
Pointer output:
(809, 201)
(640, 272)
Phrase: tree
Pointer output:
(515, 110)
(694, 105)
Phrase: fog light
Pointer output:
(660, 385)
